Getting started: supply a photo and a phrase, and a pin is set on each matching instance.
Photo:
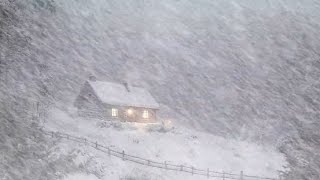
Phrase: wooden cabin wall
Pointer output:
(135, 117)
(88, 103)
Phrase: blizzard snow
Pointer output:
(80, 176)
(245, 69)
(177, 145)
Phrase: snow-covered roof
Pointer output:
(117, 94)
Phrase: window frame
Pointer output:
(145, 114)
(114, 112)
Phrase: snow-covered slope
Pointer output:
(175, 145)
(241, 69)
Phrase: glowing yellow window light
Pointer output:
(145, 114)
(130, 111)
(114, 112)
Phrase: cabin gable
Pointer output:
(88, 103)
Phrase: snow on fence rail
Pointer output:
(162, 165)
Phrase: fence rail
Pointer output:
(147, 162)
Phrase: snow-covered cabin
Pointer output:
(108, 100)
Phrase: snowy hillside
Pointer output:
(177, 145)
(246, 70)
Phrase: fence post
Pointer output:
(192, 170)
(181, 168)
(96, 144)
(208, 173)
(241, 175)
(123, 155)
(165, 164)
(223, 175)
(148, 162)
(109, 153)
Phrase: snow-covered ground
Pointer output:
(81, 176)
(177, 145)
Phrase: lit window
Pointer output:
(130, 112)
(145, 114)
(114, 112)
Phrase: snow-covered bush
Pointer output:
(164, 126)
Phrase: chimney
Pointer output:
(126, 85)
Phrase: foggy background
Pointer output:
(247, 70)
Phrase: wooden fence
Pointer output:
(162, 165)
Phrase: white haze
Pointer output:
(246, 70)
